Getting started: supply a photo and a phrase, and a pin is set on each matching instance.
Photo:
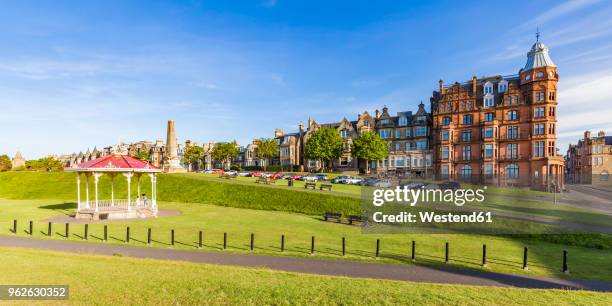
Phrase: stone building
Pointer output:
(18, 161)
(500, 129)
(590, 160)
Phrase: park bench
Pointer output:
(354, 218)
(336, 216)
(264, 180)
(325, 186)
(313, 186)
(227, 176)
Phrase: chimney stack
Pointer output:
(474, 85)
(601, 134)
(441, 86)
(377, 114)
(587, 134)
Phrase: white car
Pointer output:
(244, 173)
(351, 180)
(310, 178)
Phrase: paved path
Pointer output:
(317, 266)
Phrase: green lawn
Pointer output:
(120, 280)
(504, 253)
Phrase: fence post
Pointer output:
(225, 240)
(413, 258)
(282, 243)
(484, 255)
(105, 233)
(200, 239)
(343, 246)
(127, 235)
(565, 268)
(15, 226)
(252, 241)
(525, 259)
(67, 230)
(31, 228)
(377, 248)
(49, 230)
(446, 253)
(312, 241)
(172, 237)
(86, 234)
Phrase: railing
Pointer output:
(118, 204)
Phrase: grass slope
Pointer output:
(118, 280)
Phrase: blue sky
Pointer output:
(79, 74)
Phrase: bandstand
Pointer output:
(115, 165)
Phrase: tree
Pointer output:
(143, 155)
(45, 164)
(369, 146)
(266, 149)
(193, 155)
(5, 163)
(225, 152)
(325, 145)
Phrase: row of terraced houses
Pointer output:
(499, 129)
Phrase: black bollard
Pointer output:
(49, 230)
(343, 246)
(86, 234)
(15, 226)
(525, 259)
(377, 248)
(565, 268)
(484, 255)
(413, 258)
(224, 241)
(127, 235)
(312, 245)
(67, 230)
(446, 253)
(31, 228)
(172, 237)
(105, 233)
(149, 236)
(282, 243)
(252, 241)
(200, 239)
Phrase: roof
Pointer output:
(608, 140)
(538, 57)
(115, 163)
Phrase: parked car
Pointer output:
(256, 174)
(214, 171)
(376, 182)
(351, 180)
(294, 177)
(244, 173)
(231, 172)
(276, 176)
(321, 177)
(310, 178)
(341, 179)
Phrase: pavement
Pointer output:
(411, 273)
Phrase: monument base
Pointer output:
(173, 166)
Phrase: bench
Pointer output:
(227, 176)
(325, 186)
(313, 186)
(354, 218)
(264, 180)
(336, 216)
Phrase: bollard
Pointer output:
(31, 228)
(49, 230)
(127, 235)
(86, 234)
(484, 255)
(200, 240)
(446, 253)
(312, 246)
(67, 231)
(377, 248)
(105, 233)
(525, 259)
(149, 236)
(282, 243)
(15, 226)
(565, 269)
(172, 237)
(224, 241)
(413, 250)
(343, 246)
(252, 241)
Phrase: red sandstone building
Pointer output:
(500, 129)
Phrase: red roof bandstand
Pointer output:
(114, 165)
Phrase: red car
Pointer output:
(256, 174)
(294, 177)
(216, 171)
(276, 176)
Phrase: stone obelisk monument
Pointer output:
(172, 164)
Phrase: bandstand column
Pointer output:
(112, 177)
(138, 195)
(96, 179)
(78, 191)
(87, 190)
(129, 177)
(153, 190)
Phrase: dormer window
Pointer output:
(502, 86)
(403, 121)
(488, 102)
(384, 121)
(488, 88)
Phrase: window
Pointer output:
(551, 128)
(488, 170)
(551, 111)
(384, 134)
(551, 96)
(489, 117)
(538, 149)
(488, 88)
(403, 121)
(469, 104)
(539, 96)
(444, 135)
(407, 133)
(603, 176)
(538, 129)
(487, 132)
(463, 105)
(446, 120)
(488, 102)
(488, 150)
(502, 86)
(466, 171)
(366, 123)
(398, 146)
(444, 170)
(408, 146)
(344, 133)
(509, 99)
(512, 115)
(399, 162)
(443, 108)
(444, 152)
(397, 133)
(467, 119)
(513, 132)
(512, 151)
(421, 131)
(516, 100)
(466, 135)
(422, 145)
(512, 171)
(539, 112)
(384, 121)
(466, 152)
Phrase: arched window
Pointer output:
(512, 171)
(466, 171)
